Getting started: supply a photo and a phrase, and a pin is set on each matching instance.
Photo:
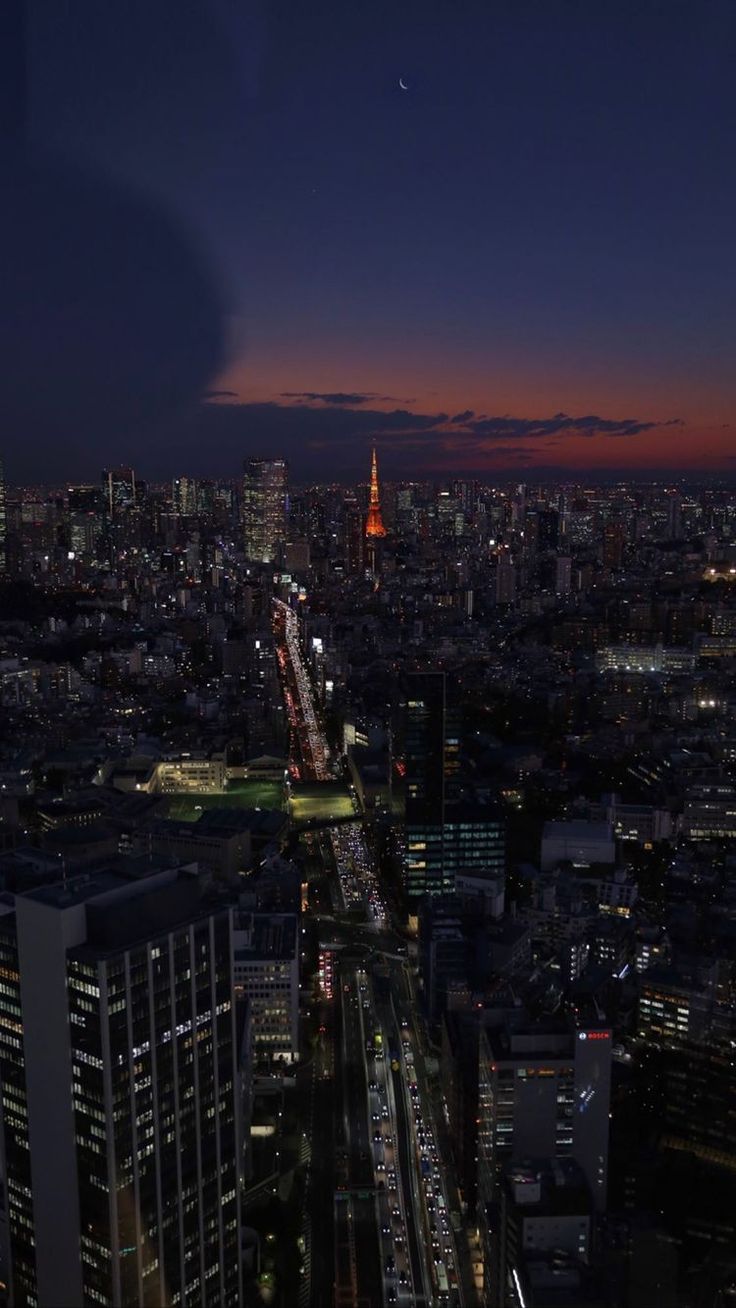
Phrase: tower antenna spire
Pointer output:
(374, 522)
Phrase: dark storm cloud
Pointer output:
(507, 428)
(220, 395)
(330, 397)
(463, 417)
(342, 397)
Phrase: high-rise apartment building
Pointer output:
(265, 492)
(121, 1112)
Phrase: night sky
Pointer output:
(232, 233)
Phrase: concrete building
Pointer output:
(577, 842)
(544, 1091)
(643, 824)
(644, 658)
(710, 813)
(266, 973)
(192, 772)
(222, 849)
(121, 1118)
(544, 1207)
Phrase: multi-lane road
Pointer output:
(392, 1238)
(306, 731)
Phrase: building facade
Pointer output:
(544, 1091)
(425, 731)
(265, 492)
(121, 1116)
(266, 974)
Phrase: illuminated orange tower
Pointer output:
(374, 522)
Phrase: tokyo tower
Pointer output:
(374, 523)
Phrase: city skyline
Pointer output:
(367, 858)
(368, 654)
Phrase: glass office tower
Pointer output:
(264, 509)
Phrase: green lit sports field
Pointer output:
(245, 794)
(320, 800)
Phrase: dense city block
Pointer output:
(368, 894)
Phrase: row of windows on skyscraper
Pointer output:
(121, 1093)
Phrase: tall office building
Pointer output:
(85, 525)
(264, 508)
(120, 490)
(548, 529)
(544, 1092)
(505, 579)
(563, 574)
(84, 499)
(184, 496)
(445, 834)
(473, 841)
(3, 520)
(121, 1117)
(354, 535)
(614, 544)
(424, 743)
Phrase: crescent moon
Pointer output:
(403, 85)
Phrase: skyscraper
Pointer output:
(119, 486)
(121, 1123)
(264, 508)
(354, 534)
(505, 578)
(184, 496)
(614, 543)
(548, 529)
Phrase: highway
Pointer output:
(355, 1170)
(428, 1173)
(307, 733)
(393, 1240)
